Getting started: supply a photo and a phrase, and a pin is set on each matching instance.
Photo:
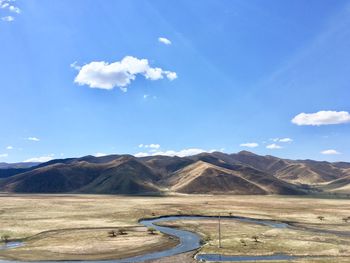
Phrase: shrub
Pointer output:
(151, 230)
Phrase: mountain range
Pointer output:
(205, 173)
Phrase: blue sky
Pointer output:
(74, 79)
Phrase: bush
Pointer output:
(122, 231)
(151, 230)
(5, 238)
(112, 233)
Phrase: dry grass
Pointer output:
(23, 216)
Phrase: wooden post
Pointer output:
(219, 231)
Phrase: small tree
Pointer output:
(321, 218)
(151, 230)
(5, 238)
(112, 233)
(122, 231)
(346, 219)
(243, 242)
(230, 213)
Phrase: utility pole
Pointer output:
(219, 228)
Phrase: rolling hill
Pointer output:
(205, 173)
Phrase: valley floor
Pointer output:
(63, 227)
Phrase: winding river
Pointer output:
(188, 241)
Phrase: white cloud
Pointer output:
(4, 5)
(282, 139)
(285, 140)
(164, 40)
(171, 75)
(8, 6)
(14, 9)
(147, 96)
(3, 155)
(100, 154)
(249, 144)
(330, 152)
(322, 118)
(273, 146)
(35, 139)
(9, 147)
(152, 145)
(103, 75)
(142, 154)
(7, 18)
(181, 153)
(75, 65)
(40, 159)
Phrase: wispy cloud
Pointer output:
(322, 118)
(10, 147)
(152, 145)
(249, 144)
(35, 139)
(164, 40)
(148, 96)
(8, 18)
(3, 155)
(273, 146)
(104, 75)
(330, 152)
(282, 139)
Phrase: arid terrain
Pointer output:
(63, 227)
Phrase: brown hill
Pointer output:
(307, 172)
(341, 185)
(241, 173)
(203, 177)
(124, 175)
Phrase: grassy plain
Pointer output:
(75, 226)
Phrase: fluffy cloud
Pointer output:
(249, 144)
(40, 159)
(330, 152)
(103, 75)
(181, 153)
(35, 139)
(322, 118)
(164, 40)
(9, 147)
(273, 146)
(3, 155)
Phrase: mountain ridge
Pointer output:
(210, 173)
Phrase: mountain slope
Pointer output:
(241, 173)
(203, 177)
(298, 172)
